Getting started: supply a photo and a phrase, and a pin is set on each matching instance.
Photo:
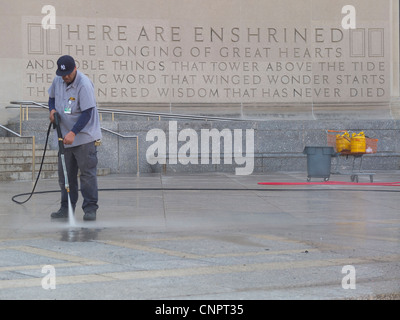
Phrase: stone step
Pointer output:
(27, 160)
(14, 176)
(26, 153)
(15, 140)
(15, 143)
(15, 154)
(27, 167)
(16, 146)
(23, 147)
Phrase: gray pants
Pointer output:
(84, 158)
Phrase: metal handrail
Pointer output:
(34, 104)
(44, 106)
(118, 134)
(127, 137)
(21, 111)
(27, 103)
(12, 132)
(167, 115)
(33, 147)
(139, 113)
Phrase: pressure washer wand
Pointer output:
(56, 125)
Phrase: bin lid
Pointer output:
(323, 149)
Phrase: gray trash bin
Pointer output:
(319, 162)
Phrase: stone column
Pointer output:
(395, 77)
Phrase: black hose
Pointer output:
(208, 189)
(30, 194)
(38, 176)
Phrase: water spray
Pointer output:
(56, 125)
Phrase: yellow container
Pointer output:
(343, 142)
(357, 143)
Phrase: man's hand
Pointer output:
(51, 117)
(69, 138)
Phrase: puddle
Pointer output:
(79, 234)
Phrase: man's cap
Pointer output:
(66, 64)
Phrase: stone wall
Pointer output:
(291, 54)
(278, 145)
(292, 68)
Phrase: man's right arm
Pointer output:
(52, 108)
(52, 103)
(52, 100)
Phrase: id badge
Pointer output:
(67, 110)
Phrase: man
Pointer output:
(72, 96)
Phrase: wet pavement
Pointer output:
(205, 236)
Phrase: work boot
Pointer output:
(90, 215)
(62, 213)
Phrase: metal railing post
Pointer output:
(128, 137)
(137, 156)
(33, 158)
(20, 119)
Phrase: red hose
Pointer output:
(391, 184)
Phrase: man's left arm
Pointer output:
(87, 102)
(79, 125)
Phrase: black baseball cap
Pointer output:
(66, 64)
